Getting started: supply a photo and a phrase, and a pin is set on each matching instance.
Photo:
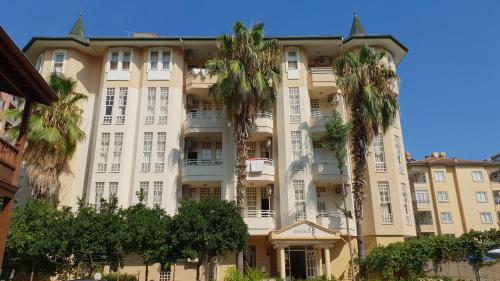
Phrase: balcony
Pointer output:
(196, 170)
(260, 222)
(263, 123)
(204, 121)
(322, 78)
(319, 120)
(8, 155)
(260, 169)
(425, 227)
(336, 221)
(198, 80)
(325, 171)
(422, 205)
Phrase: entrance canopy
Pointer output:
(303, 233)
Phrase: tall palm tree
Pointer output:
(53, 134)
(249, 73)
(369, 88)
(336, 140)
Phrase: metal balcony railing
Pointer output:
(318, 115)
(203, 162)
(204, 115)
(265, 114)
(321, 69)
(8, 153)
(258, 213)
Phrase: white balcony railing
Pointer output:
(321, 69)
(258, 214)
(260, 222)
(265, 114)
(318, 115)
(335, 220)
(204, 115)
(202, 162)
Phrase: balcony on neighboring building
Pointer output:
(424, 223)
(204, 121)
(8, 155)
(319, 120)
(263, 123)
(259, 214)
(260, 164)
(203, 158)
(336, 220)
(198, 80)
(201, 190)
(326, 171)
(322, 78)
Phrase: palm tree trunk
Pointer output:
(241, 137)
(359, 143)
(347, 224)
(198, 271)
(146, 273)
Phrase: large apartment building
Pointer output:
(150, 124)
(453, 196)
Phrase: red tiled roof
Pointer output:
(452, 162)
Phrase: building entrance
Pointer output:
(300, 262)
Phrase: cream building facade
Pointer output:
(453, 196)
(151, 125)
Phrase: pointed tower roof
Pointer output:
(77, 30)
(356, 28)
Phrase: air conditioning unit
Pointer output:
(192, 260)
(189, 99)
(338, 190)
(333, 99)
(323, 61)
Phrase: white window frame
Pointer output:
(109, 97)
(119, 74)
(252, 202)
(292, 74)
(160, 73)
(121, 106)
(423, 176)
(399, 154)
(384, 195)
(443, 197)
(39, 63)
(163, 104)
(486, 218)
(477, 176)
(446, 217)
(406, 203)
(98, 194)
(144, 186)
(147, 152)
(294, 105)
(117, 152)
(297, 152)
(103, 152)
(379, 153)
(481, 197)
(65, 56)
(439, 179)
(112, 189)
(161, 149)
(157, 193)
(300, 200)
(422, 196)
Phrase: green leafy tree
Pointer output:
(39, 239)
(53, 134)
(98, 236)
(249, 73)
(148, 234)
(207, 230)
(475, 244)
(368, 86)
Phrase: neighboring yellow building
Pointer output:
(150, 124)
(453, 196)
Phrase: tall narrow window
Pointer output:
(251, 149)
(378, 149)
(39, 63)
(315, 108)
(300, 200)
(153, 60)
(126, 60)
(103, 153)
(292, 60)
(406, 203)
(161, 147)
(113, 60)
(321, 204)
(251, 202)
(162, 116)
(117, 152)
(108, 107)
(399, 154)
(144, 188)
(317, 151)
(99, 193)
(204, 193)
(217, 192)
(58, 61)
(218, 152)
(150, 107)
(294, 100)
(385, 202)
(297, 164)
(113, 190)
(206, 152)
(122, 105)
(157, 193)
(146, 152)
(165, 60)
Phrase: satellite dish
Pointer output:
(97, 276)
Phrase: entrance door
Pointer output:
(300, 262)
(298, 265)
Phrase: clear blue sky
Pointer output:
(449, 97)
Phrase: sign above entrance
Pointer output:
(303, 230)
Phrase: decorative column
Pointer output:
(282, 262)
(319, 260)
(328, 270)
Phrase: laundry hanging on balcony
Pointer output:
(255, 165)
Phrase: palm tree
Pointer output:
(53, 134)
(249, 72)
(369, 88)
(335, 140)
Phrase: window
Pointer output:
(113, 190)
(297, 164)
(146, 152)
(385, 202)
(251, 202)
(162, 116)
(292, 62)
(206, 152)
(321, 208)
(188, 192)
(446, 218)
(58, 60)
(300, 200)
(103, 153)
(113, 60)
(481, 197)
(486, 218)
(251, 149)
(218, 152)
(439, 176)
(424, 218)
(157, 193)
(39, 63)
(399, 154)
(406, 203)
(161, 147)
(108, 105)
(159, 60)
(166, 60)
(204, 193)
(378, 149)
(317, 151)
(99, 192)
(420, 177)
(206, 105)
(122, 104)
(315, 108)
(153, 60)
(294, 99)
(119, 64)
(117, 152)
(150, 107)
(477, 176)
(126, 60)
(422, 196)
(217, 192)
(144, 188)
(442, 196)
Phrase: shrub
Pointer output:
(113, 276)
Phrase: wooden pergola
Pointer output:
(19, 78)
